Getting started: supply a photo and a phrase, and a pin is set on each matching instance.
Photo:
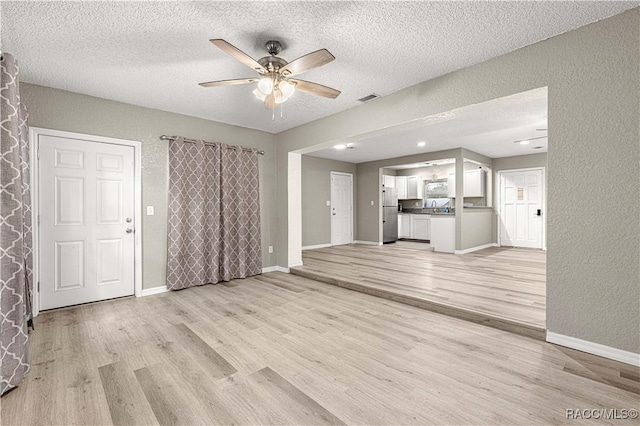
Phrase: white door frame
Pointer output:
(331, 174)
(34, 134)
(544, 203)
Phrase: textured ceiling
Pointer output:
(154, 54)
(489, 128)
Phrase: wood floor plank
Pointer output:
(259, 352)
(124, 396)
(170, 402)
(299, 406)
(502, 287)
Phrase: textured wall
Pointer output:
(593, 272)
(73, 112)
(316, 190)
(477, 228)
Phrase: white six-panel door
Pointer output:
(86, 213)
(341, 208)
(521, 193)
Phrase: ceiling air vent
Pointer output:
(369, 98)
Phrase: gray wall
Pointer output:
(593, 290)
(73, 112)
(476, 228)
(316, 191)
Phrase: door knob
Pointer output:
(128, 220)
(129, 230)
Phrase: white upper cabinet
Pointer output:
(475, 183)
(414, 187)
(401, 184)
(389, 181)
(409, 187)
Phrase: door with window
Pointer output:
(521, 204)
(86, 216)
(341, 208)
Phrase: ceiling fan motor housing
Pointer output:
(273, 47)
(272, 63)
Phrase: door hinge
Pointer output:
(38, 219)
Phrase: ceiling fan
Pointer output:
(275, 84)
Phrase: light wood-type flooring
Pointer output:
(500, 287)
(283, 349)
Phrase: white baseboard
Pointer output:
(275, 269)
(594, 348)
(154, 290)
(472, 249)
(369, 243)
(316, 246)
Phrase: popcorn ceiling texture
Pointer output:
(154, 54)
(593, 268)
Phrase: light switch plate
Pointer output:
(150, 211)
(371, 202)
(328, 203)
(270, 249)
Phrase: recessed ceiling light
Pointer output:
(525, 142)
(344, 146)
(422, 143)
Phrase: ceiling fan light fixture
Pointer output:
(279, 96)
(259, 94)
(265, 85)
(286, 88)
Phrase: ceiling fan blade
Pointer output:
(238, 54)
(270, 101)
(305, 63)
(315, 88)
(228, 82)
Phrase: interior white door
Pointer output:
(521, 208)
(86, 208)
(341, 208)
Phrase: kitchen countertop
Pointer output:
(427, 212)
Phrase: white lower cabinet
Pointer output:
(443, 233)
(416, 226)
(421, 226)
(404, 226)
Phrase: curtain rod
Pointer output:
(171, 138)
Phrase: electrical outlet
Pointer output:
(150, 211)
(270, 249)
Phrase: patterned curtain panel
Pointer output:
(15, 230)
(214, 214)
